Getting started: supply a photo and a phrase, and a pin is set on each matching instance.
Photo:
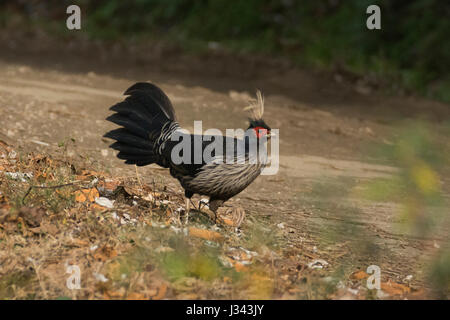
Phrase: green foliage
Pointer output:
(411, 50)
(178, 265)
(422, 160)
(440, 274)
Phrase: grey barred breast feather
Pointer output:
(222, 180)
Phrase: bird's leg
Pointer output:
(188, 208)
(213, 206)
(193, 204)
(188, 194)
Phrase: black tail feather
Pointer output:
(140, 163)
(124, 136)
(157, 94)
(135, 126)
(129, 149)
(142, 116)
(136, 157)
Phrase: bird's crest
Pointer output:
(256, 106)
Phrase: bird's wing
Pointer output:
(202, 150)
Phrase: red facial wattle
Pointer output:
(260, 131)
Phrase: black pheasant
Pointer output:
(147, 135)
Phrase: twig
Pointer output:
(46, 187)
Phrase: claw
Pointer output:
(203, 202)
(238, 216)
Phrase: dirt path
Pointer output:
(326, 126)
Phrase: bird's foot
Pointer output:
(220, 215)
(202, 206)
(237, 216)
(203, 203)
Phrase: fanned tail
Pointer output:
(147, 119)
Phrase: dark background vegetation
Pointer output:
(410, 53)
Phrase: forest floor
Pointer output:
(308, 233)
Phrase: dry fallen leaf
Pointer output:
(80, 196)
(205, 234)
(419, 294)
(359, 275)
(394, 288)
(114, 295)
(230, 262)
(84, 195)
(161, 292)
(91, 173)
(136, 296)
(108, 186)
(105, 253)
(187, 296)
(96, 207)
(228, 222)
(240, 267)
